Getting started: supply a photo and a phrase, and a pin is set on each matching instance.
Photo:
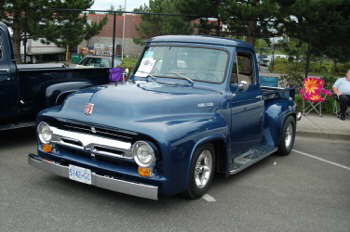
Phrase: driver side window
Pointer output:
(243, 69)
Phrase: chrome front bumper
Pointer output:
(126, 187)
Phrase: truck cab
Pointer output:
(193, 107)
(8, 83)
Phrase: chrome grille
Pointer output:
(115, 134)
(92, 143)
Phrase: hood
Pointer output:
(140, 101)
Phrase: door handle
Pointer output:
(7, 70)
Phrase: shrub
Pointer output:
(292, 79)
(129, 63)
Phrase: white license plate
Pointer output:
(80, 174)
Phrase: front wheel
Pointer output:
(201, 172)
(287, 136)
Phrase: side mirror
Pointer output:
(243, 86)
(125, 74)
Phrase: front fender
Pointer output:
(184, 139)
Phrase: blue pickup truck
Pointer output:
(192, 108)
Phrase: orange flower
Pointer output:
(311, 85)
(315, 98)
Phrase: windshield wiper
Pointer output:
(189, 80)
(149, 76)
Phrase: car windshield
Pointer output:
(191, 63)
(97, 62)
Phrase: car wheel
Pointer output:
(287, 137)
(201, 172)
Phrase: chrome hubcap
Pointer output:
(203, 169)
(289, 135)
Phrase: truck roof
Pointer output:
(199, 39)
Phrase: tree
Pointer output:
(154, 25)
(22, 16)
(203, 10)
(251, 18)
(323, 25)
(69, 28)
(64, 28)
(93, 28)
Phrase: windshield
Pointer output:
(96, 62)
(197, 64)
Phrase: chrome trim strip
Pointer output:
(105, 182)
(91, 143)
(299, 116)
(235, 171)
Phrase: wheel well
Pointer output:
(220, 155)
(284, 120)
(294, 115)
(60, 98)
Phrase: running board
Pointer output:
(16, 125)
(251, 157)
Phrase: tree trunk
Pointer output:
(218, 25)
(251, 38)
(67, 53)
(335, 65)
(308, 57)
(16, 38)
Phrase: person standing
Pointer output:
(342, 89)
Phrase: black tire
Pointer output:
(193, 191)
(286, 146)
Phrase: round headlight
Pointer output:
(143, 154)
(44, 132)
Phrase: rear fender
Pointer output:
(55, 93)
(276, 113)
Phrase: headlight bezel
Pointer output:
(42, 126)
(136, 148)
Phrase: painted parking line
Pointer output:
(322, 160)
(208, 198)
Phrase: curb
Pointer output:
(323, 135)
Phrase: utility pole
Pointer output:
(113, 42)
(124, 22)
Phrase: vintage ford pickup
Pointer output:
(193, 107)
(27, 89)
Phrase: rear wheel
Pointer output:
(202, 172)
(287, 137)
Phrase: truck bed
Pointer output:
(270, 93)
(35, 67)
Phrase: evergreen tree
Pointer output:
(22, 16)
(203, 10)
(323, 25)
(251, 18)
(154, 25)
(64, 28)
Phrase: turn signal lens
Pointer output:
(46, 148)
(147, 172)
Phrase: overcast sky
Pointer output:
(106, 4)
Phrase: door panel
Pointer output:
(8, 83)
(247, 106)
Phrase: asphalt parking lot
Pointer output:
(306, 191)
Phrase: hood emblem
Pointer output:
(89, 108)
